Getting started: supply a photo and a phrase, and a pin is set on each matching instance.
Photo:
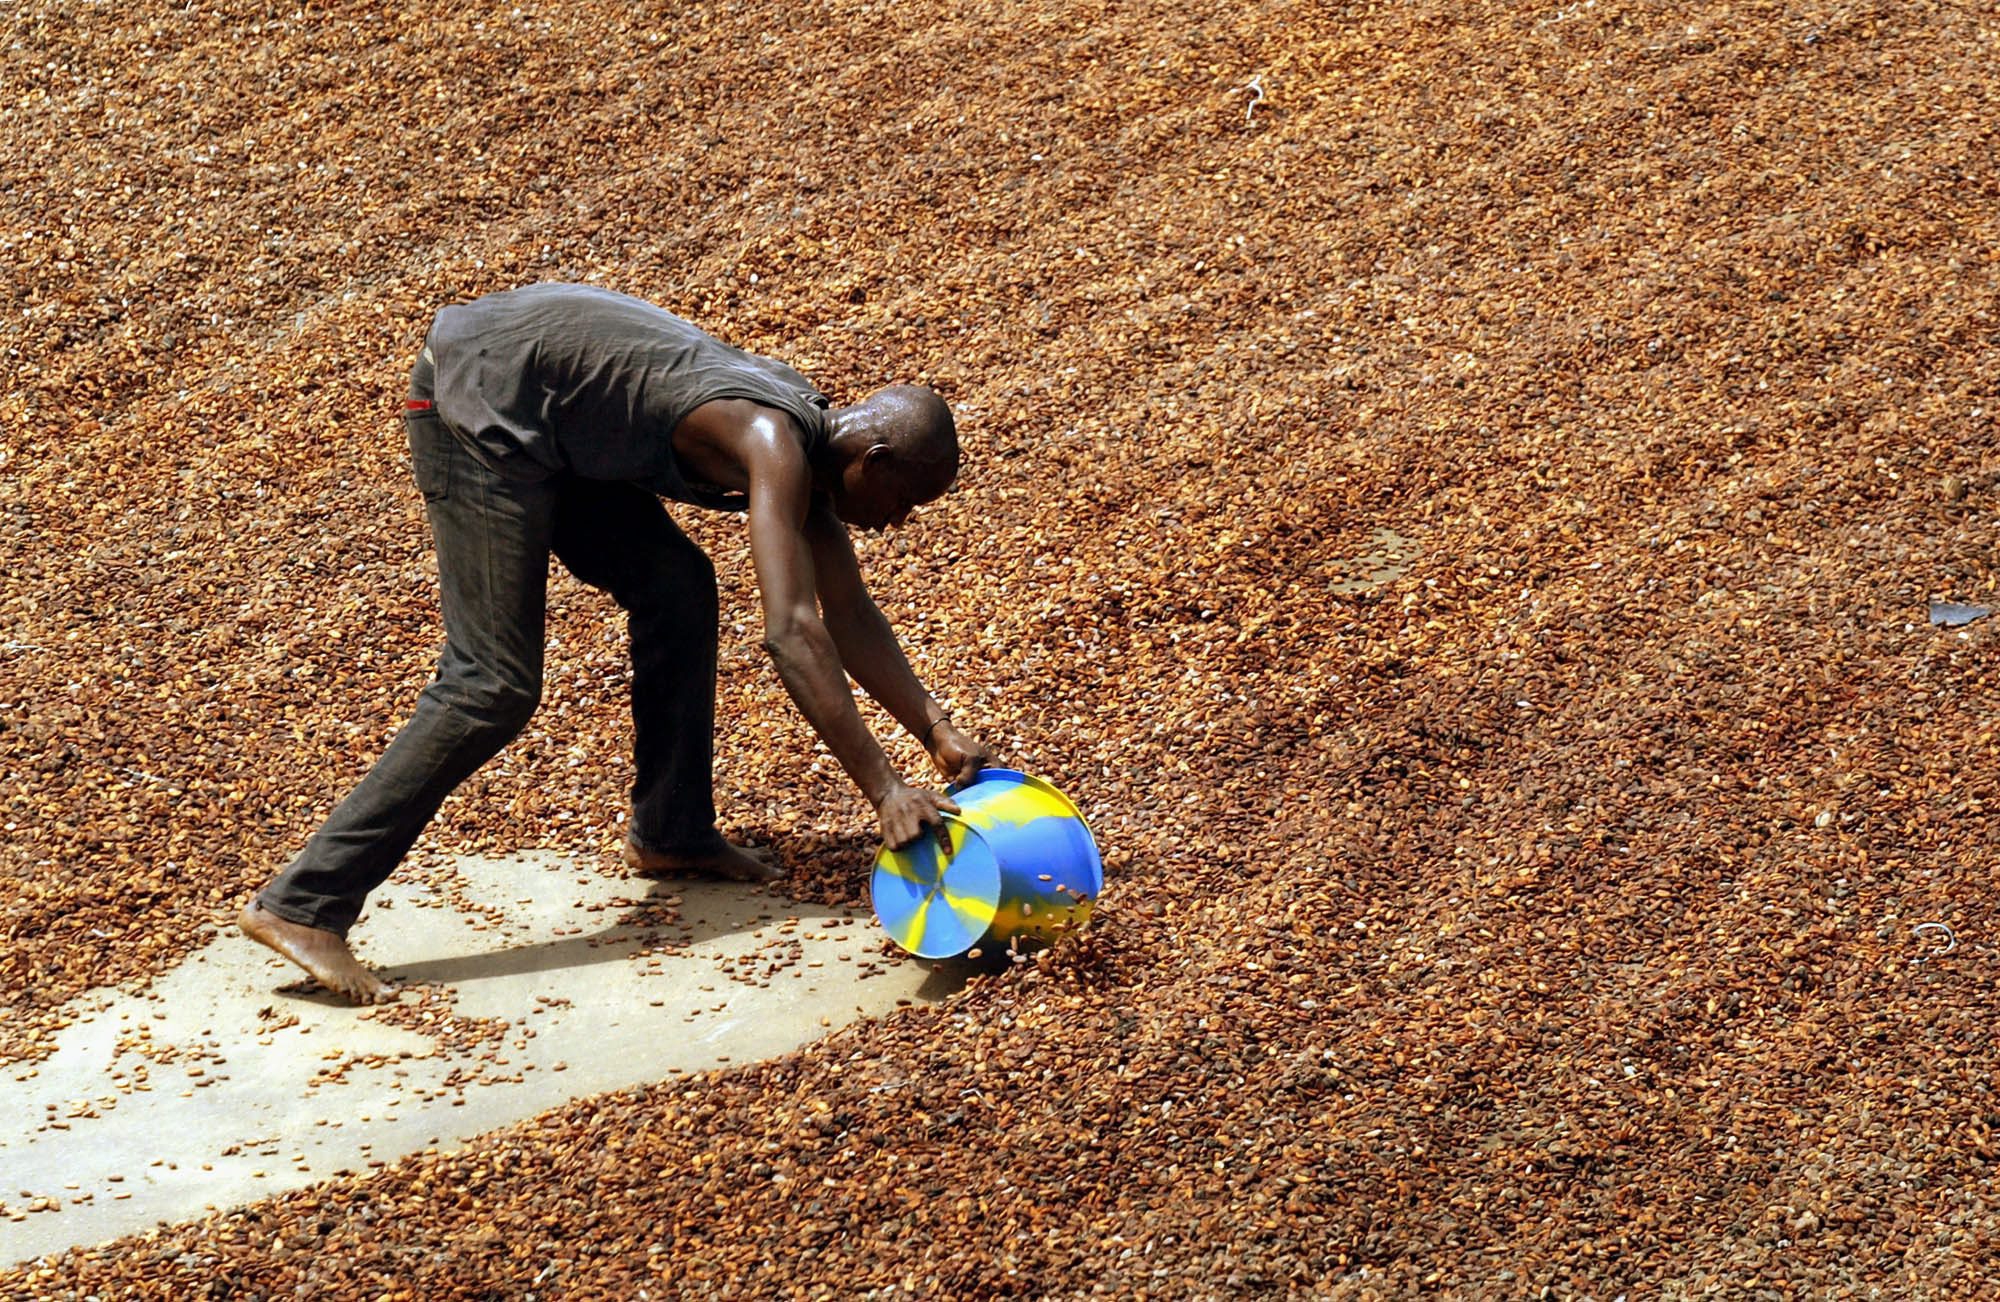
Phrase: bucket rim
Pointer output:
(990, 771)
(1020, 777)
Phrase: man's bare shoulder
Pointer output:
(730, 441)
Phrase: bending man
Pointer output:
(552, 419)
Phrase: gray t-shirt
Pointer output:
(553, 379)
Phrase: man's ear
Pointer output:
(877, 457)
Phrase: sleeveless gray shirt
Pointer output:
(553, 379)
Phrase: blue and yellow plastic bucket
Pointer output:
(1021, 870)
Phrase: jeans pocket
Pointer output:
(430, 454)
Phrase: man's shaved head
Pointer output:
(894, 450)
(917, 425)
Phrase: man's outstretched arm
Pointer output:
(873, 657)
(804, 651)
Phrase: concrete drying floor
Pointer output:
(530, 981)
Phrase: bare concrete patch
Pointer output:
(1389, 557)
(530, 982)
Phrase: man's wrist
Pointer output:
(931, 727)
(881, 787)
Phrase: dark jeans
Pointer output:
(494, 537)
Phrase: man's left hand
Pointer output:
(958, 756)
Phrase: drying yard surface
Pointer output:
(226, 1080)
(1535, 906)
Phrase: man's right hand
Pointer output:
(907, 812)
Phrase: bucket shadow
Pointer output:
(948, 977)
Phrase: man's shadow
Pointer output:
(706, 910)
(678, 912)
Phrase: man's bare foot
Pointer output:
(323, 954)
(735, 862)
